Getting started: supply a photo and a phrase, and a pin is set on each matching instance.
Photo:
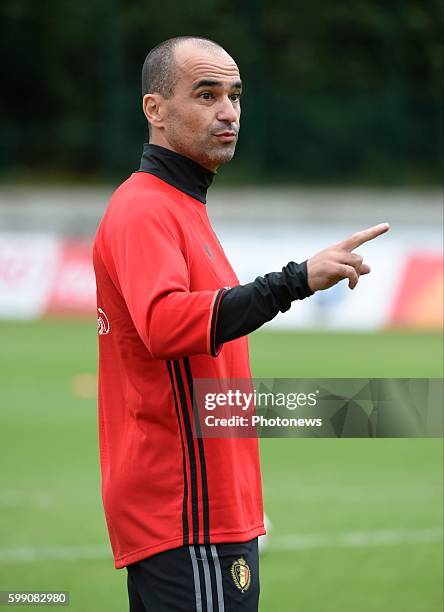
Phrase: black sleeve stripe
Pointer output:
(217, 301)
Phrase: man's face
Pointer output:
(202, 118)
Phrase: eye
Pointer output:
(206, 95)
(235, 97)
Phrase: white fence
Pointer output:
(44, 269)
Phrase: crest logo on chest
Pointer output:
(208, 251)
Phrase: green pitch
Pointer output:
(356, 523)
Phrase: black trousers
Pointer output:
(199, 578)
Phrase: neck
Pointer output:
(176, 170)
(158, 140)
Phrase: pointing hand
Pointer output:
(337, 262)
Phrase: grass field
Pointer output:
(356, 523)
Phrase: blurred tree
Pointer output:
(339, 91)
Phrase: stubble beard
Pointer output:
(209, 155)
(205, 152)
(218, 155)
(212, 154)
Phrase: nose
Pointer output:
(226, 111)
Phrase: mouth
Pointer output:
(226, 136)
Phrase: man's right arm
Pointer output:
(245, 308)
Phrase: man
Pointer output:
(184, 513)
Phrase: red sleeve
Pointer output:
(152, 271)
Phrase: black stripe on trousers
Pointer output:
(200, 443)
(191, 451)
(185, 529)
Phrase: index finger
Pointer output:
(355, 240)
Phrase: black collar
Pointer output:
(177, 170)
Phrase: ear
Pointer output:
(153, 109)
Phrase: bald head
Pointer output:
(161, 68)
(191, 98)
